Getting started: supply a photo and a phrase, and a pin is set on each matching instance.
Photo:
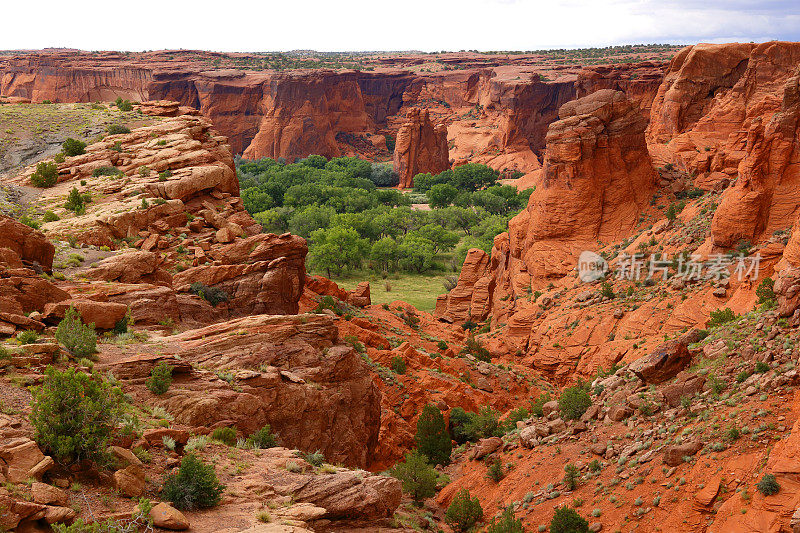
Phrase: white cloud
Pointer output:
(238, 25)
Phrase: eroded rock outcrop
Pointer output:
(765, 197)
(597, 178)
(291, 372)
(420, 147)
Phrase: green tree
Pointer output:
(574, 401)
(441, 195)
(442, 239)
(79, 339)
(160, 378)
(74, 414)
(195, 486)
(335, 249)
(384, 255)
(416, 475)
(432, 437)
(45, 175)
(567, 520)
(416, 253)
(73, 147)
(464, 512)
(75, 202)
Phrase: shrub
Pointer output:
(116, 129)
(496, 472)
(398, 365)
(416, 475)
(606, 290)
(761, 367)
(72, 147)
(567, 520)
(79, 339)
(195, 486)
(594, 466)
(506, 523)
(46, 175)
(721, 316)
(27, 337)
(464, 512)
(432, 437)
(571, 476)
(75, 202)
(574, 401)
(768, 485)
(160, 378)
(263, 438)
(473, 347)
(316, 458)
(212, 295)
(225, 435)
(536, 408)
(49, 216)
(73, 414)
(765, 291)
(106, 171)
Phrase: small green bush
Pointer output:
(263, 438)
(212, 295)
(473, 347)
(398, 365)
(116, 129)
(506, 523)
(49, 216)
(316, 458)
(416, 475)
(74, 414)
(536, 408)
(79, 339)
(567, 520)
(75, 202)
(160, 378)
(27, 337)
(607, 290)
(571, 475)
(225, 435)
(195, 486)
(768, 485)
(761, 367)
(46, 175)
(765, 291)
(106, 171)
(464, 512)
(496, 472)
(721, 316)
(73, 147)
(574, 401)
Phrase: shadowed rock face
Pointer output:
(421, 147)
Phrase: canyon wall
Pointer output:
(496, 115)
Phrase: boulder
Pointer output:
(29, 244)
(666, 360)
(674, 454)
(167, 517)
(486, 447)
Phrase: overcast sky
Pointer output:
(429, 25)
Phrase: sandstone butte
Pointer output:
(686, 415)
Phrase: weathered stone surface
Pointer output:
(420, 147)
(167, 517)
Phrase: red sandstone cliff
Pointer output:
(420, 147)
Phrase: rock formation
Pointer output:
(597, 178)
(765, 197)
(420, 147)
